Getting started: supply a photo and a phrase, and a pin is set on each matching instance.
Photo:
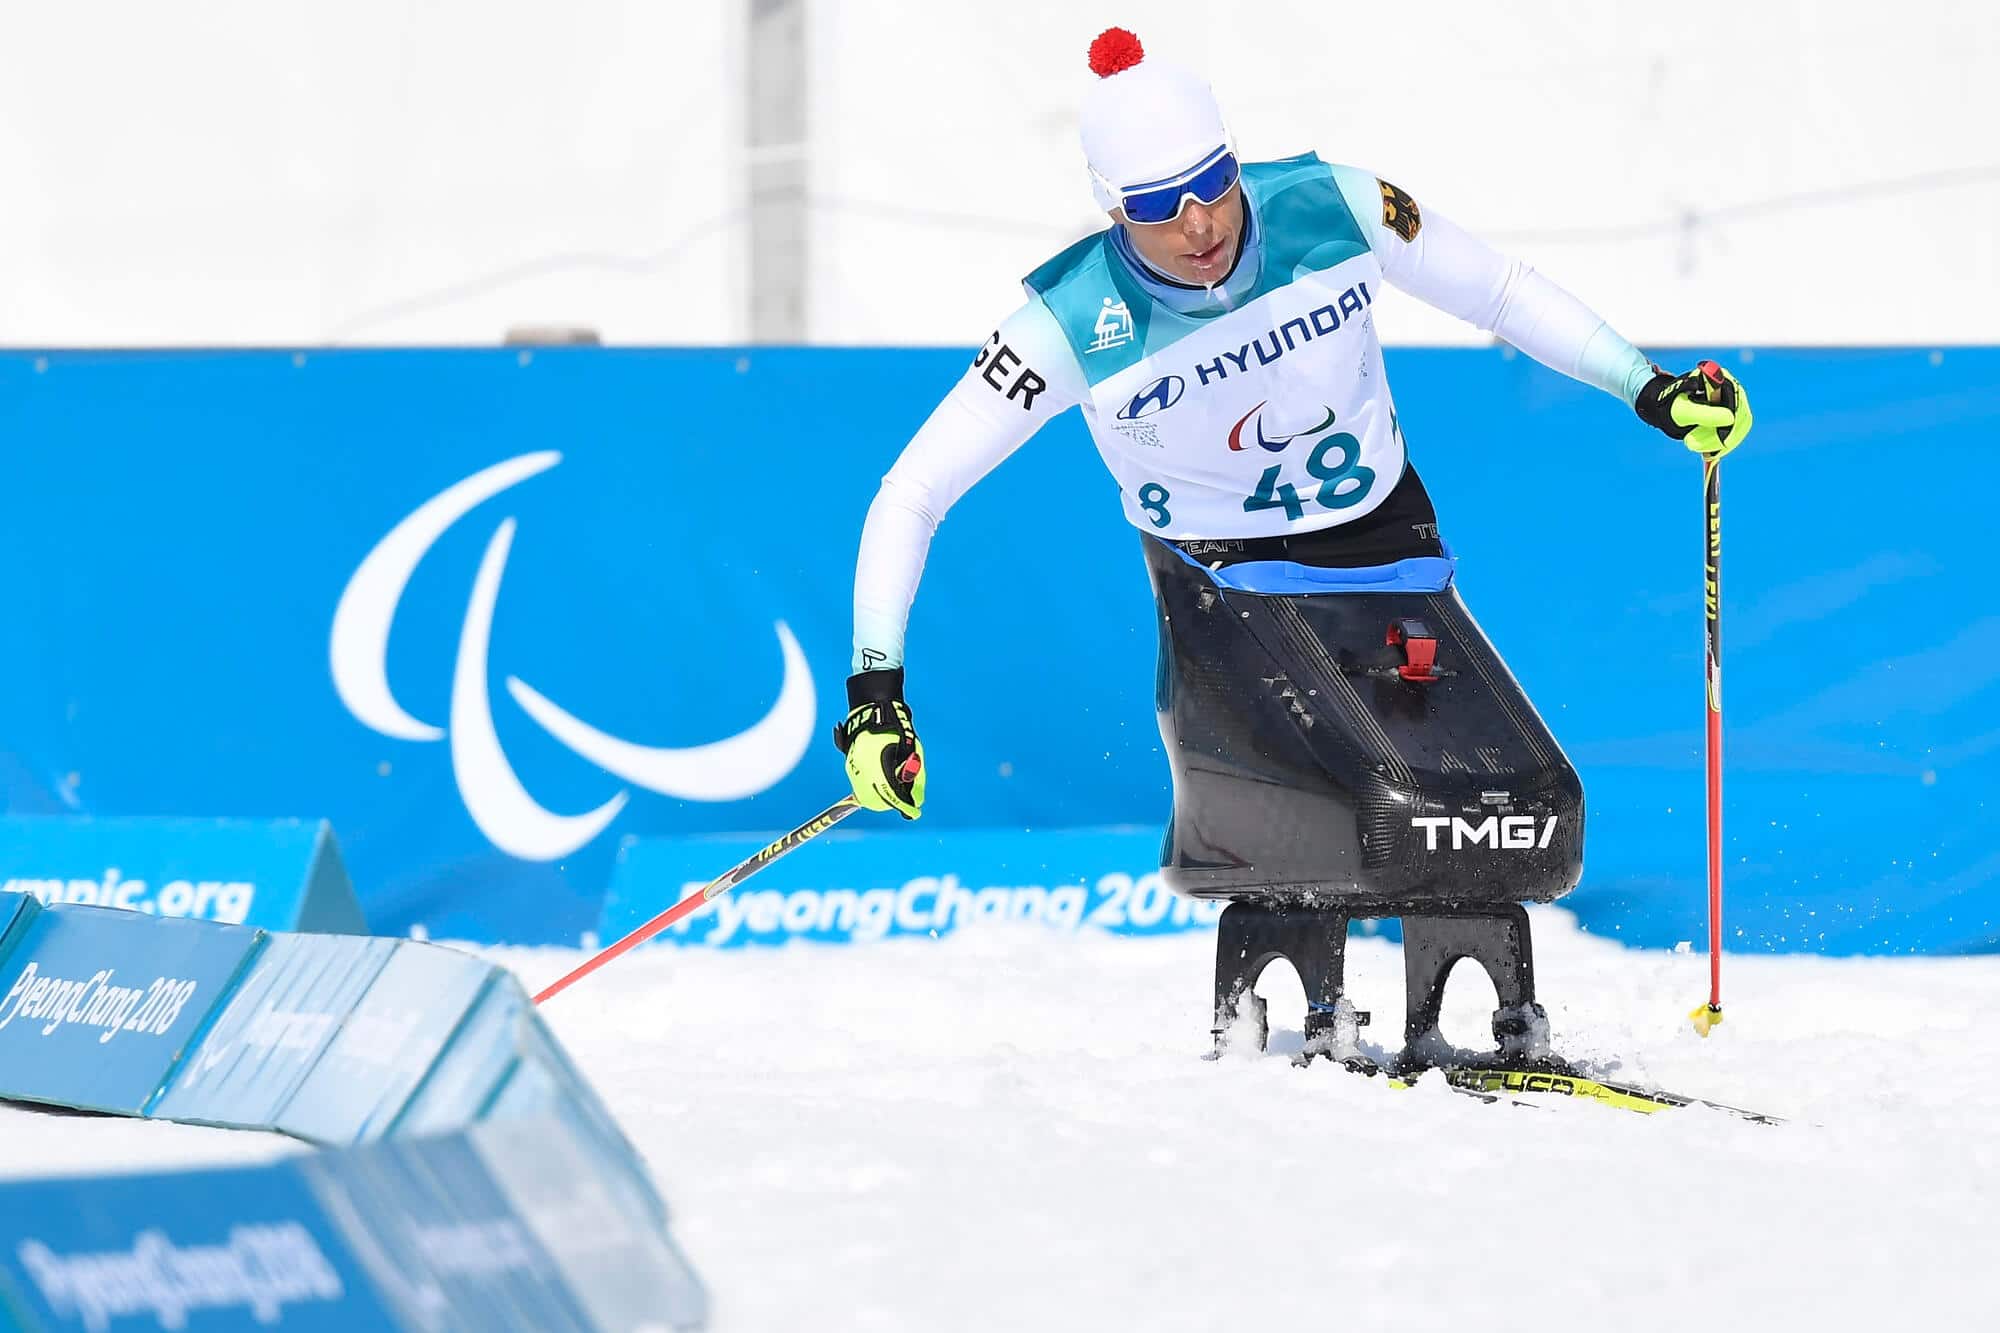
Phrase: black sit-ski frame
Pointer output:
(1313, 939)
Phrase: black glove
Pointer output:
(885, 760)
(1706, 409)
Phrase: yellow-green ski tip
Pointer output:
(1705, 1016)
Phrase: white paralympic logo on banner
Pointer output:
(512, 820)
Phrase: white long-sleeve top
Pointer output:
(1255, 408)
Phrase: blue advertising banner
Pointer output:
(1889, 902)
(853, 887)
(386, 1045)
(97, 1005)
(491, 612)
(280, 1020)
(227, 1251)
(282, 874)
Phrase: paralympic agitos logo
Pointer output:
(1274, 443)
(499, 803)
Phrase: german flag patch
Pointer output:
(1399, 212)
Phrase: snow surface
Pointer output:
(42, 1141)
(1012, 1129)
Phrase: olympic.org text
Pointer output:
(261, 1269)
(205, 900)
(935, 905)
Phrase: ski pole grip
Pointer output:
(1720, 391)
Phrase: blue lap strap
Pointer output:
(1421, 573)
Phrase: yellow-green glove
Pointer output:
(885, 760)
(1705, 409)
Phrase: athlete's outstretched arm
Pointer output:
(1439, 263)
(1443, 265)
(1023, 377)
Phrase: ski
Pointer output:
(1491, 1098)
(1627, 1096)
(1497, 1083)
(1356, 1063)
(1518, 1087)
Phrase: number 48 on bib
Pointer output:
(1342, 483)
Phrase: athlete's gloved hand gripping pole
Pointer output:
(885, 760)
(885, 765)
(1708, 411)
(1705, 409)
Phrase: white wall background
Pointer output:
(249, 171)
(307, 171)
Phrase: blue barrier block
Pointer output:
(279, 1021)
(331, 906)
(246, 1249)
(502, 1063)
(335, 1039)
(97, 1005)
(595, 1221)
(445, 1247)
(543, 1083)
(16, 910)
(387, 1045)
(511, 1228)
(864, 886)
(473, 1067)
(280, 874)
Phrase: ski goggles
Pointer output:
(1162, 201)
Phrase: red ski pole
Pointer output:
(715, 888)
(1707, 1016)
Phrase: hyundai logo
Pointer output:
(1158, 396)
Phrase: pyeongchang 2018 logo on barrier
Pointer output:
(259, 1270)
(499, 802)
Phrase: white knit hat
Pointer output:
(1144, 120)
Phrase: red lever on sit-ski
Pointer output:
(1420, 647)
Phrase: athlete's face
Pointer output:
(1199, 246)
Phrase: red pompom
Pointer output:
(1115, 49)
